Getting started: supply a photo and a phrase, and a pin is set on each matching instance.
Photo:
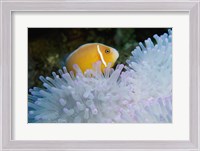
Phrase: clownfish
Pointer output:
(87, 54)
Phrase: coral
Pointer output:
(139, 92)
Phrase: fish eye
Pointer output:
(107, 51)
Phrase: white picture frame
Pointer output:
(7, 7)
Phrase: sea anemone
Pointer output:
(140, 92)
(89, 97)
(149, 72)
(153, 110)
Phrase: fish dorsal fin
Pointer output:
(101, 56)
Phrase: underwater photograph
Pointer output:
(99, 75)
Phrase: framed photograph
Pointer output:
(97, 83)
(107, 75)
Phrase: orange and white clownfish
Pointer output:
(87, 54)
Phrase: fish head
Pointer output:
(108, 54)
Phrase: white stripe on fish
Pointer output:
(101, 56)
